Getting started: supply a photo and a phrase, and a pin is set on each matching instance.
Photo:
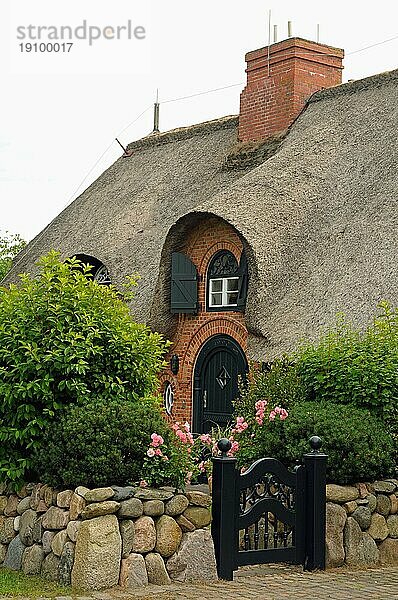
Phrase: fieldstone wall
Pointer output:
(362, 524)
(99, 538)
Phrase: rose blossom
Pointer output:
(181, 435)
(157, 440)
(283, 414)
(150, 452)
(234, 448)
(260, 409)
(241, 425)
(185, 436)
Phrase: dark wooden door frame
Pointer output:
(211, 346)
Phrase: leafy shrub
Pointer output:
(354, 367)
(64, 339)
(344, 388)
(356, 441)
(279, 383)
(104, 442)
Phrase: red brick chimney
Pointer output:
(280, 81)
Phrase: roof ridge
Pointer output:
(356, 85)
(181, 133)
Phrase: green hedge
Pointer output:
(358, 446)
(101, 443)
(354, 367)
(344, 387)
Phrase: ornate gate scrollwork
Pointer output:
(267, 531)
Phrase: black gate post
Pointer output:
(315, 463)
(224, 495)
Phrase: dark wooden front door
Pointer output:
(220, 362)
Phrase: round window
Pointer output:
(168, 398)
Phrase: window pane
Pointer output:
(232, 298)
(216, 285)
(232, 285)
(216, 299)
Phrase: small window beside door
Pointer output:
(226, 282)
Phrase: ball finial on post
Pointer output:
(224, 445)
(315, 443)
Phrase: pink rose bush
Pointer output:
(183, 457)
(240, 426)
(157, 440)
(183, 433)
(243, 431)
(264, 415)
(170, 462)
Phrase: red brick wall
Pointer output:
(272, 99)
(194, 330)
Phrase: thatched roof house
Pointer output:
(312, 209)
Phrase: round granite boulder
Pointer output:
(198, 515)
(168, 536)
(176, 505)
(144, 535)
(363, 517)
(392, 524)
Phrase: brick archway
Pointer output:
(192, 331)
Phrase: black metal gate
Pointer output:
(269, 514)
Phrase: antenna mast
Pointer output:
(156, 114)
(269, 38)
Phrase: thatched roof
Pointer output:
(123, 218)
(318, 217)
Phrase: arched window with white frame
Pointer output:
(226, 282)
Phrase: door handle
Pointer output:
(205, 399)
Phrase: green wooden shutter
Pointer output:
(243, 282)
(184, 284)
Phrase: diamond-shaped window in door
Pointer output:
(223, 377)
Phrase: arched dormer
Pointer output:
(193, 236)
(209, 343)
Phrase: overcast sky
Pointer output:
(60, 112)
